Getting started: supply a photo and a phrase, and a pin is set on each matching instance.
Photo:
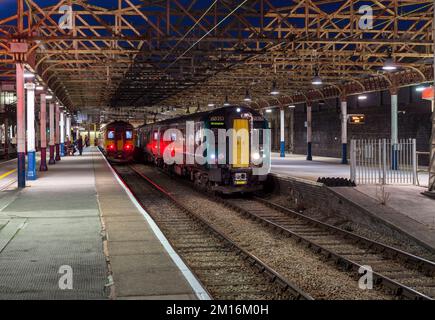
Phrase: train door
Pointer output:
(119, 139)
(240, 156)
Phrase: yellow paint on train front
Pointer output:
(240, 143)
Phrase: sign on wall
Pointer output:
(357, 118)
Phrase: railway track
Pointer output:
(224, 268)
(401, 273)
(398, 272)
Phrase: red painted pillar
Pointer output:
(43, 128)
(21, 130)
(57, 124)
(51, 161)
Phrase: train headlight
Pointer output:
(255, 156)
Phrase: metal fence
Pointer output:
(379, 162)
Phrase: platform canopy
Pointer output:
(171, 54)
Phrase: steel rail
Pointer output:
(347, 264)
(253, 260)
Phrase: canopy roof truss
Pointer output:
(175, 53)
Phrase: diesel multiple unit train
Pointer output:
(118, 141)
(225, 169)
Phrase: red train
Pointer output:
(118, 141)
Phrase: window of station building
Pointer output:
(111, 134)
(129, 134)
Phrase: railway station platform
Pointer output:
(406, 208)
(76, 233)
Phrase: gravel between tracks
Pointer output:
(306, 269)
(365, 231)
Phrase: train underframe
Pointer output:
(223, 180)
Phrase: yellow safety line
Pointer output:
(7, 173)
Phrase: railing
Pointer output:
(380, 162)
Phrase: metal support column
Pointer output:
(31, 150)
(344, 130)
(282, 132)
(62, 134)
(21, 130)
(68, 128)
(394, 134)
(43, 128)
(52, 142)
(309, 133)
(57, 128)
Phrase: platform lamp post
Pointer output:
(31, 151)
(43, 128)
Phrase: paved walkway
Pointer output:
(143, 263)
(58, 223)
(53, 225)
(296, 165)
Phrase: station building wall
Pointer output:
(414, 121)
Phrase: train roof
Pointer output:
(118, 123)
(200, 115)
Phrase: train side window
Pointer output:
(111, 134)
(156, 135)
(129, 134)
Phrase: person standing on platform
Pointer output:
(87, 141)
(80, 144)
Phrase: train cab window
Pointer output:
(129, 134)
(111, 134)
(173, 136)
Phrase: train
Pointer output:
(224, 171)
(117, 142)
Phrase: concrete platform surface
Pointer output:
(51, 246)
(296, 165)
(142, 267)
(54, 228)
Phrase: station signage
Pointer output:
(356, 119)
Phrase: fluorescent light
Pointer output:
(226, 103)
(317, 81)
(28, 75)
(362, 97)
(389, 65)
(274, 90)
(292, 106)
(48, 96)
(39, 88)
(211, 104)
(420, 88)
(238, 109)
(269, 110)
(247, 96)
